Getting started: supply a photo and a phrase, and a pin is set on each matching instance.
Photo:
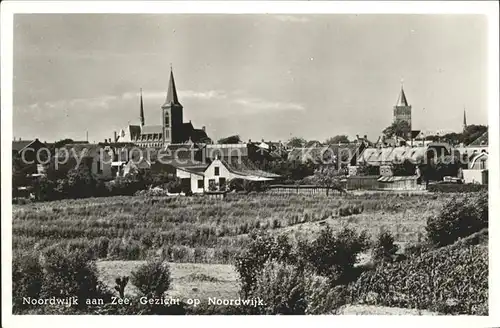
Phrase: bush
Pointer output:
(261, 249)
(334, 256)
(69, 274)
(282, 289)
(152, 279)
(322, 298)
(452, 279)
(27, 279)
(460, 217)
(456, 187)
(384, 249)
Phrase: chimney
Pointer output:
(262, 139)
(357, 136)
(203, 128)
(249, 140)
(116, 136)
(365, 136)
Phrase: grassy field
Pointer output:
(202, 230)
(189, 280)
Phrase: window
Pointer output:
(211, 185)
(222, 183)
(167, 121)
(201, 184)
(99, 167)
(216, 172)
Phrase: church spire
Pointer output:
(465, 121)
(172, 91)
(141, 114)
(402, 98)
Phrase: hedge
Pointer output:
(452, 279)
(456, 187)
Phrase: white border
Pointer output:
(488, 8)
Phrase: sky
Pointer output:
(260, 76)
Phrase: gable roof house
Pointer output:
(217, 175)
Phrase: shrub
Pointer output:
(27, 278)
(334, 256)
(282, 289)
(152, 279)
(384, 249)
(69, 274)
(460, 217)
(452, 279)
(456, 188)
(261, 249)
(321, 297)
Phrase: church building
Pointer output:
(172, 129)
(402, 111)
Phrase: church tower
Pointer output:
(402, 111)
(172, 114)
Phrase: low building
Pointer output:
(478, 170)
(217, 175)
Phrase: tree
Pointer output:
(398, 128)
(230, 140)
(452, 138)
(342, 138)
(365, 169)
(407, 168)
(296, 142)
(328, 177)
(312, 143)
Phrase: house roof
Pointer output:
(246, 166)
(477, 157)
(246, 172)
(392, 179)
(134, 131)
(225, 151)
(322, 154)
(19, 145)
(151, 129)
(481, 141)
(390, 155)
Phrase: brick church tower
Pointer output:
(402, 111)
(172, 118)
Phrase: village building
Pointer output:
(172, 130)
(477, 171)
(217, 175)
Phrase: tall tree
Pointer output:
(342, 138)
(328, 177)
(296, 142)
(398, 128)
(230, 140)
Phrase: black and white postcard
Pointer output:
(173, 160)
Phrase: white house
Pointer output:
(218, 174)
(478, 170)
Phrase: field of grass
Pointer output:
(189, 280)
(202, 230)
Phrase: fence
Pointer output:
(362, 182)
(301, 190)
